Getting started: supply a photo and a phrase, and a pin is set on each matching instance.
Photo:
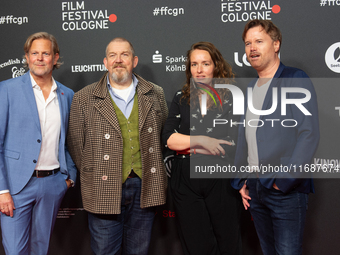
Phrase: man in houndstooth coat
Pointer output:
(114, 139)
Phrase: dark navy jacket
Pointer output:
(293, 147)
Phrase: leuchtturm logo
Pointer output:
(332, 57)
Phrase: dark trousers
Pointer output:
(127, 233)
(207, 212)
(279, 218)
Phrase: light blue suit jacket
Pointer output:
(287, 146)
(20, 134)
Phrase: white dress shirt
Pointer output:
(50, 124)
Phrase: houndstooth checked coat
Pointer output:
(96, 146)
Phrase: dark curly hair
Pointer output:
(221, 70)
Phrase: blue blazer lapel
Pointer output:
(29, 94)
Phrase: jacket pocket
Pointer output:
(12, 154)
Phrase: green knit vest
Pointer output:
(131, 149)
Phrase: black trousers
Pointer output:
(207, 211)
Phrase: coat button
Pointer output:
(34, 161)
(150, 129)
(150, 149)
(107, 136)
(106, 157)
(104, 177)
(39, 141)
(153, 170)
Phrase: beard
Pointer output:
(120, 78)
(41, 70)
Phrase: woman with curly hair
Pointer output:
(207, 209)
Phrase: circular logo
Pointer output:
(332, 57)
(276, 9)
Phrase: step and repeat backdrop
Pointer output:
(162, 31)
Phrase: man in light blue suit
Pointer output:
(281, 138)
(35, 167)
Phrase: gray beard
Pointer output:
(120, 80)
